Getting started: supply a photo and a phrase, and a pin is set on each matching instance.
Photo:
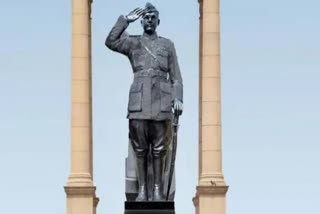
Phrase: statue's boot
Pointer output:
(142, 178)
(158, 171)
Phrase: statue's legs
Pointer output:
(160, 137)
(142, 178)
(157, 135)
(138, 137)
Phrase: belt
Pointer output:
(150, 73)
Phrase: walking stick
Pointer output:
(175, 125)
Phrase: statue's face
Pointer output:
(150, 21)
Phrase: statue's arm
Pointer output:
(175, 75)
(118, 40)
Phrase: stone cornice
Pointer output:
(212, 190)
(77, 190)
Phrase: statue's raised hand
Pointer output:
(135, 14)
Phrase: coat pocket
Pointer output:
(138, 58)
(166, 97)
(135, 97)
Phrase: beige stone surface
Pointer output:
(210, 66)
(211, 43)
(210, 114)
(211, 190)
(80, 137)
(81, 91)
(211, 6)
(81, 6)
(80, 45)
(80, 115)
(81, 23)
(211, 22)
(81, 198)
(80, 162)
(216, 204)
(78, 179)
(211, 165)
(210, 199)
(212, 178)
(212, 132)
(80, 205)
(211, 89)
(80, 69)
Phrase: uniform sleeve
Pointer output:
(175, 75)
(118, 40)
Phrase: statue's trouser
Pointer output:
(157, 135)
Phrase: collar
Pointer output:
(152, 37)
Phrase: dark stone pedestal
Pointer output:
(149, 207)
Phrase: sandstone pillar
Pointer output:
(211, 190)
(80, 190)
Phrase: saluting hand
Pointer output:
(135, 14)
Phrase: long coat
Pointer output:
(157, 78)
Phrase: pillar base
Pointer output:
(81, 200)
(149, 207)
(210, 199)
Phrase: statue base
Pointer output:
(149, 207)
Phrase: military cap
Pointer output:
(150, 8)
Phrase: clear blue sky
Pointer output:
(270, 98)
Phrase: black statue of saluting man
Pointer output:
(156, 89)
